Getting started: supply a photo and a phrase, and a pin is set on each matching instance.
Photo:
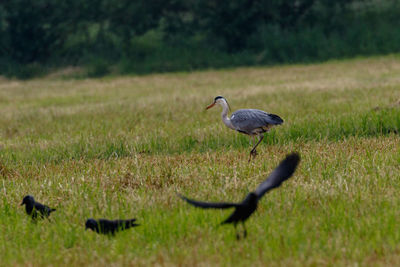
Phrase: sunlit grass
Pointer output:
(123, 147)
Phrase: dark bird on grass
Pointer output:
(108, 227)
(244, 209)
(35, 209)
(253, 122)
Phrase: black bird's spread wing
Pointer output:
(281, 173)
(208, 205)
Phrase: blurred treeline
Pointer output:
(142, 36)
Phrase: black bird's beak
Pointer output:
(22, 203)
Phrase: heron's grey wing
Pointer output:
(281, 173)
(208, 205)
(249, 119)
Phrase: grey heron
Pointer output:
(253, 122)
(244, 209)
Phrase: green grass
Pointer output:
(121, 147)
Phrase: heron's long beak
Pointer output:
(210, 106)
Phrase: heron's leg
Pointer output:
(252, 141)
(253, 152)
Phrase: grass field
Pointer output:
(121, 147)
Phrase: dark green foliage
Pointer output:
(31, 30)
(98, 67)
(175, 35)
(229, 24)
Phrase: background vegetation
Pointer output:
(122, 147)
(143, 36)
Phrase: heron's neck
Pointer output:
(225, 118)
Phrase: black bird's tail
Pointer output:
(131, 223)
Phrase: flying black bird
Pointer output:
(32, 207)
(103, 226)
(244, 209)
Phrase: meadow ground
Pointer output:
(121, 147)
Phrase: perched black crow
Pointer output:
(244, 209)
(103, 226)
(32, 207)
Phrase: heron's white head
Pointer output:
(220, 100)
